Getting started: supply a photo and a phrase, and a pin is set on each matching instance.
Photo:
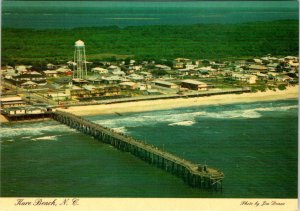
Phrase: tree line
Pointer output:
(201, 41)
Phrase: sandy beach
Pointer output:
(3, 119)
(289, 93)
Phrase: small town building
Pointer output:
(37, 78)
(194, 85)
(113, 68)
(162, 67)
(50, 73)
(208, 69)
(260, 68)
(262, 76)
(58, 96)
(250, 79)
(51, 66)
(183, 72)
(29, 84)
(94, 79)
(258, 61)
(135, 77)
(152, 92)
(64, 70)
(146, 75)
(190, 66)
(136, 67)
(269, 59)
(181, 63)
(118, 73)
(293, 63)
(25, 110)
(22, 68)
(198, 63)
(128, 85)
(143, 87)
(293, 58)
(79, 81)
(112, 79)
(11, 102)
(99, 70)
(165, 84)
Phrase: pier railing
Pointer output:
(195, 175)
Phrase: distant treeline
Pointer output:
(203, 41)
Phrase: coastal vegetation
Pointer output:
(201, 41)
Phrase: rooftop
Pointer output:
(164, 82)
(194, 82)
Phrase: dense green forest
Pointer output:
(202, 41)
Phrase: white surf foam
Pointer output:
(233, 114)
(184, 118)
(36, 129)
(8, 140)
(48, 138)
(120, 129)
(183, 123)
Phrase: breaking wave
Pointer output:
(7, 141)
(184, 123)
(187, 117)
(28, 130)
(48, 138)
(120, 129)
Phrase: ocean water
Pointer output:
(254, 144)
(69, 14)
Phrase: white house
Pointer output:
(99, 70)
(113, 68)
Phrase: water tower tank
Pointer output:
(79, 43)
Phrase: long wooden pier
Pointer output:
(195, 175)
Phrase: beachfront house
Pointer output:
(128, 85)
(59, 96)
(250, 79)
(194, 85)
(11, 101)
(23, 110)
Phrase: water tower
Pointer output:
(80, 69)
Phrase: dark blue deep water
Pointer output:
(69, 14)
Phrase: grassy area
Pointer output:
(202, 41)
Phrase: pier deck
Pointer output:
(194, 174)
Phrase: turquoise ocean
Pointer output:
(254, 144)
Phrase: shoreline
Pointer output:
(165, 104)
